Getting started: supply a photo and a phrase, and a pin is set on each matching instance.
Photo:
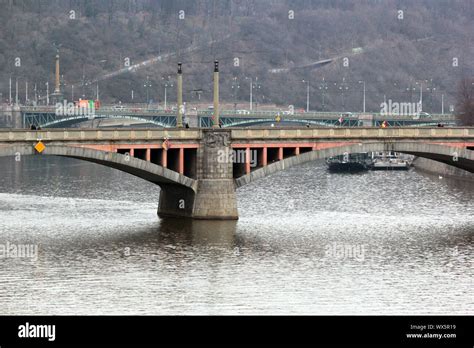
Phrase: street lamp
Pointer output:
(252, 86)
(307, 94)
(431, 89)
(363, 82)
(322, 87)
(343, 87)
(47, 93)
(256, 86)
(421, 94)
(235, 89)
(147, 86)
(442, 104)
(167, 83)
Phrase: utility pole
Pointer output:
(147, 87)
(26, 92)
(307, 95)
(323, 86)
(442, 104)
(166, 85)
(16, 91)
(251, 95)
(10, 97)
(421, 96)
(363, 82)
(47, 93)
(36, 96)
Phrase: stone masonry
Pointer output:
(214, 197)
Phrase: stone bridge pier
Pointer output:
(213, 196)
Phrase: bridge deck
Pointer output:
(239, 134)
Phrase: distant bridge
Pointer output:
(198, 170)
(46, 117)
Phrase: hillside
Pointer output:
(274, 41)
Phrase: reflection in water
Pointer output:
(307, 242)
(198, 232)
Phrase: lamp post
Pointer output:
(10, 96)
(252, 86)
(431, 89)
(215, 119)
(16, 91)
(251, 95)
(363, 82)
(47, 93)
(307, 94)
(442, 104)
(179, 118)
(235, 89)
(167, 83)
(147, 86)
(421, 94)
(343, 87)
(256, 86)
(323, 87)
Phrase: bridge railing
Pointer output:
(174, 134)
(362, 132)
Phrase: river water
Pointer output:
(307, 242)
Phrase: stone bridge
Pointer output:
(199, 170)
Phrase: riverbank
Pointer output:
(434, 167)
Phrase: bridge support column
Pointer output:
(175, 201)
(214, 196)
(164, 158)
(264, 156)
(181, 161)
(247, 160)
(280, 153)
(148, 155)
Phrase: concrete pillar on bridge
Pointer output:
(247, 160)
(280, 153)
(164, 158)
(181, 161)
(148, 155)
(214, 196)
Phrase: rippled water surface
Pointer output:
(307, 242)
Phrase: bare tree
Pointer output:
(465, 102)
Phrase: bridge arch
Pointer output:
(68, 121)
(176, 189)
(458, 157)
(146, 170)
(290, 121)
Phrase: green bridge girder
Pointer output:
(47, 118)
